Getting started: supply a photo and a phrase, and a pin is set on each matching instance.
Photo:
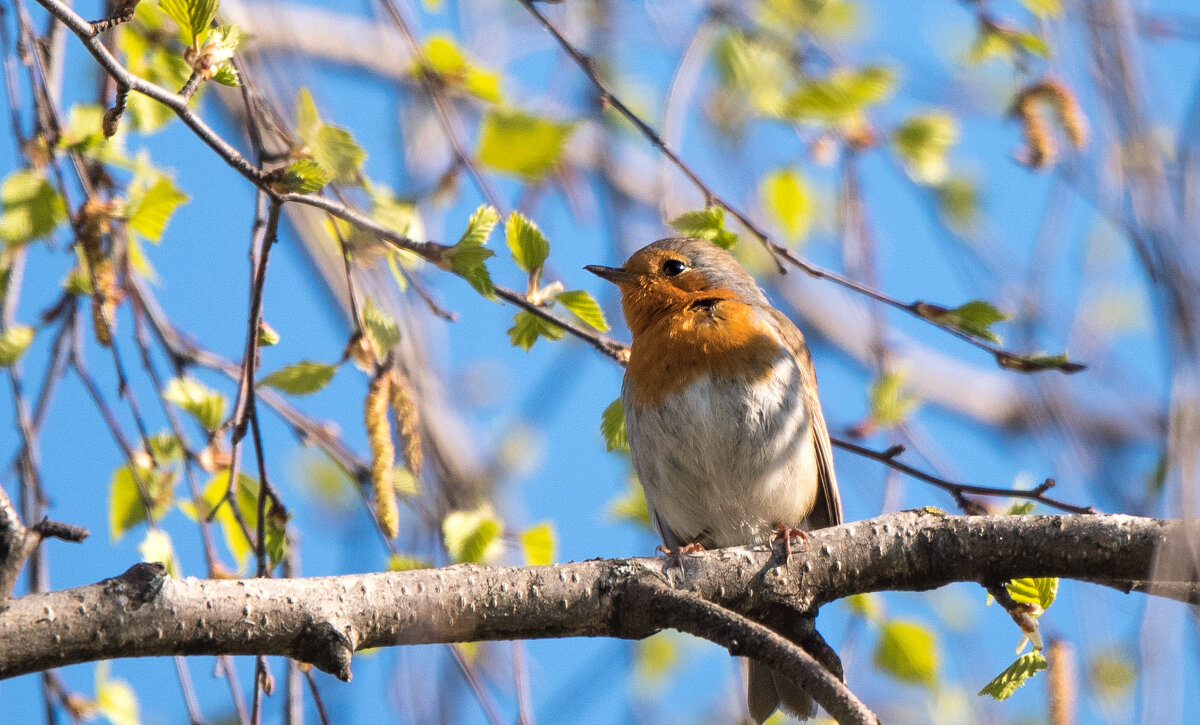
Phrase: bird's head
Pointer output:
(668, 276)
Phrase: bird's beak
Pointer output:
(616, 275)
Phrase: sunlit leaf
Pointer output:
(1044, 8)
(157, 547)
(1015, 675)
(538, 544)
(403, 562)
(204, 404)
(922, 142)
(126, 507)
(788, 202)
(1112, 674)
(1040, 591)
(467, 257)
(631, 505)
(528, 327)
(381, 327)
(582, 305)
(909, 652)
(975, 318)
(29, 207)
(612, 427)
(151, 206)
(14, 341)
(115, 699)
(707, 224)
(519, 143)
(840, 96)
(528, 245)
(891, 404)
(303, 378)
(473, 536)
(194, 16)
(865, 605)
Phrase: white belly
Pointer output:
(724, 462)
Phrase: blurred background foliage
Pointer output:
(1022, 169)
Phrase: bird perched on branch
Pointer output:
(721, 408)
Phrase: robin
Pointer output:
(725, 428)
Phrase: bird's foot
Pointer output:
(677, 554)
(786, 534)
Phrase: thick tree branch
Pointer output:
(324, 620)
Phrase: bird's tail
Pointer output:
(768, 689)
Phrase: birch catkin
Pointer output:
(408, 422)
(383, 452)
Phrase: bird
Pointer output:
(724, 426)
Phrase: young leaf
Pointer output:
(1037, 363)
(447, 60)
(337, 152)
(581, 304)
(402, 562)
(473, 536)
(1044, 8)
(1021, 508)
(612, 427)
(303, 176)
(204, 404)
(528, 245)
(890, 403)
(194, 16)
(922, 142)
(150, 207)
(788, 201)
(975, 318)
(126, 507)
(631, 505)
(707, 224)
(519, 143)
(467, 257)
(538, 544)
(83, 130)
(1015, 675)
(157, 547)
(528, 327)
(840, 96)
(13, 342)
(1040, 591)
(302, 378)
(865, 605)
(909, 652)
(30, 207)
(381, 327)
(1112, 674)
(115, 699)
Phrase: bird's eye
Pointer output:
(673, 267)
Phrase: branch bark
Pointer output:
(324, 620)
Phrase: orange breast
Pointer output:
(725, 339)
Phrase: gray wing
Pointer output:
(827, 510)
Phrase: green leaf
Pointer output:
(631, 505)
(303, 176)
(788, 202)
(402, 562)
(29, 207)
(754, 70)
(227, 75)
(1112, 675)
(612, 427)
(443, 56)
(958, 201)
(302, 378)
(519, 143)
(1015, 675)
(908, 652)
(337, 152)
(381, 328)
(115, 699)
(153, 61)
(203, 403)
(581, 304)
(267, 336)
(654, 658)
(473, 536)
(467, 257)
(165, 447)
(126, 507)
(841, 96)
(890, 403)
(150, 207)
(1037, 363)
(1021, 508)
(308, 122)
(707, 224)
(14, 341)
(528, 245)
(1031, 43)
(528, 327)
(157, 547)
(84, 129)
(395, 213)
(195, 16)
(975, 318)
(865, 605)
(922, 141)
(538, 543)
(1044, 8)
(1040, 591)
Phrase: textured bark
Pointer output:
(324, 620)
